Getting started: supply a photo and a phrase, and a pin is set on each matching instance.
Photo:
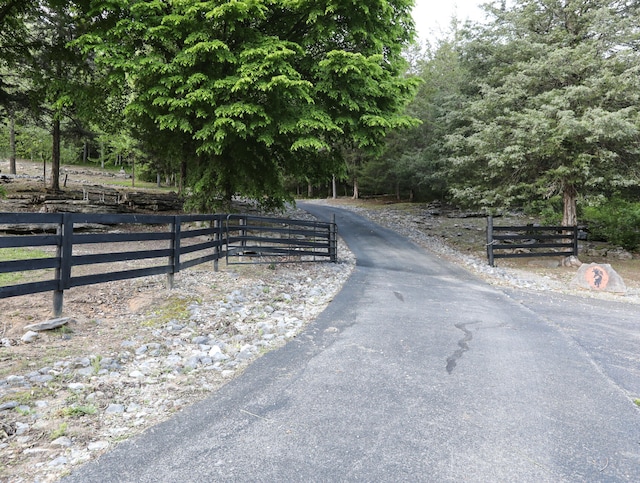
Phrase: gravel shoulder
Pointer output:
(135, 353)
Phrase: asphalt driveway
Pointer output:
(417, 371)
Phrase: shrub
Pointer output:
(547, 210)
(615, 221)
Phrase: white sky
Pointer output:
(432, 16)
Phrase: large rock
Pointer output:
(49, 324)
(599, 277)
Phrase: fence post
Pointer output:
(575, 241)
(333, 240)
(243, 233)
(490, 239)
(64, 252)
(216, 239)
(174, 258)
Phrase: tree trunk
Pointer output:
(55, 157)
(356, 191)
(309, 190)
(569, 212)
(333, 187)
(228, 196)
(183, 175)
(12, 143)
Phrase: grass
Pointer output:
(78, 411)
(176, 308)
(15, 363)
(13, 254)
(126, 183)
(27, 396)
(59, 432)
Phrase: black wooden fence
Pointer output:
(132, 246)
(530, 241)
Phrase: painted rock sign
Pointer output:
(599, 276)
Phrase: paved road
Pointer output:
(415, 372)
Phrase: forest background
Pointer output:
(535, 109)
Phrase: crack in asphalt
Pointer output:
(452, 361)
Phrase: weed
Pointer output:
(176, 308)
(78, 411)
(62, 330)
(72, 399)
(23, 411)
(58, 433)
(95, 363)
(28, 396)
(636, 401)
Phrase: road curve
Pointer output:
(416, 371)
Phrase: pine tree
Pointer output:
(555, 106)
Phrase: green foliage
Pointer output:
(248, 94)
(552, 104)
(549, 211)
(60, 431)
(77, 411)
(616, 221)
(34, 142)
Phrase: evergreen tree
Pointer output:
(554, 104)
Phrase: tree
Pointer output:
(555, 107)
(60, 78)
(255, 91)
(414, 160)
(14, 44)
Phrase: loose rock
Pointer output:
(49, 324)
(29, 337)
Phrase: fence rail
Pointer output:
(260, 237)
(144, 245)
(531, 241)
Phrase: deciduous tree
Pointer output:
(257, 90)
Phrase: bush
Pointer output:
(615, 221)
(548, 210)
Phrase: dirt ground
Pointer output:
(98, 312)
